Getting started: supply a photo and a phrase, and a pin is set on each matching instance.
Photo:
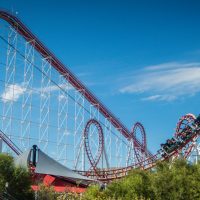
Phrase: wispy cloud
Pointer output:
(66, 133)
(53, 88)
(165, 82)
(12, 93)
(159, 98)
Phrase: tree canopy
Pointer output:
(14, 181)
(179, 180)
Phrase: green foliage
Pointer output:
(17, 179)
(6, 170)
(177, 181)
(94, 193)
(137, 185)
(68, 196)
(46, 193)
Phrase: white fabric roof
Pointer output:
(47, 165)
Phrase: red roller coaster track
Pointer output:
(10, 144)
(185, 147)
(93, 160)
(138, 126)
(61, 68)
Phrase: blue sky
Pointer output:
(140, 58)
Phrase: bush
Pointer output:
(15, 181)
(167, 181)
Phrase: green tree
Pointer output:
(167, 181)
(137, 185)
(68, 196)
(15, 181)
(46, 193)
(179, 180)
(94, 193)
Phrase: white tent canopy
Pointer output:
(47, 165)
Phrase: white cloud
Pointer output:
(61, 97)
(159, 98)
(12, 93)
(53, 88)
(171, 65)
(66, 133)
(165, 82)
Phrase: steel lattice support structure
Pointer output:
(51, 106)
(22, 30)
(131, 158)
(118, 149)
(9, 81)
(108, 140)
(79, 126)
(62, 131)
(45, 102)
(27, 96)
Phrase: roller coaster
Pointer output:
(185, 141)
(44, 104)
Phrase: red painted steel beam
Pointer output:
(46, 53)
(10, 143)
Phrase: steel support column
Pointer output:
(9, 82)
(45, 93)
(27, 96)
(79, 123)
(63, 132)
